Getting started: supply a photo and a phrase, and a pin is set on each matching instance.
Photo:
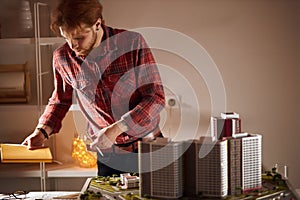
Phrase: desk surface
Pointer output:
(266, 193)
(48, 195)
(67, 194)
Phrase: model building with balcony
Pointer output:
(205, 176)
(160, 169)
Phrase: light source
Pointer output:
(83, 157)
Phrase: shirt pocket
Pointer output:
(86, 87)
(79, 84)
(123, 85)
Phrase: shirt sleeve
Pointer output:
(59, 103)
(145, 116)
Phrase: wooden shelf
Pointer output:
(70, 170)
(16, 41)
(17, 106)
(53, 170)
(14, 107)
(52, 40)
(27, 41)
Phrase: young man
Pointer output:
(115, 80)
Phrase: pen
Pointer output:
(98, 149)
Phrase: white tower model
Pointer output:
(251, 162)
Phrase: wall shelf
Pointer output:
(53, 170)
(14, 107)
(71, 171)
(26, 41)
(20, 107)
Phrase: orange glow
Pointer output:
(81, 155)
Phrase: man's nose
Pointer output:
(73, 43)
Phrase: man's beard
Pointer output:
(89, 46)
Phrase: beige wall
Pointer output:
(256, 46)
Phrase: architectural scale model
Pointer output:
(245, 164)
(232, 166)
(129, 181)
(251, 162)
(206, 176)
(161, 172)
(227, 125)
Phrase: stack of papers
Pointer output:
(17, 153)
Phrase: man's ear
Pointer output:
(98, 24)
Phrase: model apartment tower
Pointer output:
(235, 166)
(245, 164)
(160, 169)
(206, 176)
(251, 162)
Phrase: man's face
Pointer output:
(81, 40)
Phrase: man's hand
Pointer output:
(35, 140)
(105, 138)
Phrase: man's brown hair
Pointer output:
(73, 13)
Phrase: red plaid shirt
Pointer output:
(117, 80)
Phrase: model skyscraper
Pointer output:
(225, 126)
(251, 162)
(244, 154)
(161, 169)
(208, 175)
(235, 166)
(245, 164)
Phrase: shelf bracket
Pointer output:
(43, 176)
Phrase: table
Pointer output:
(48, 195)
